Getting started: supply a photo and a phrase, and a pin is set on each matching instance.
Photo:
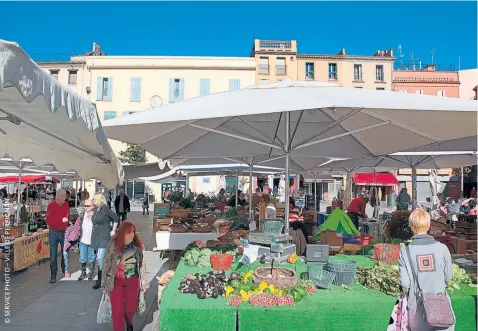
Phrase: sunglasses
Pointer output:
(88, 206)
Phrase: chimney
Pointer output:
(342, 52)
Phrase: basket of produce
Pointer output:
(386, 252)
(221, 261)
(179, 213)
(344, 271)
(320, 277)
(163, 227)
(201, 228)
(177, 228)
(272, 227)
(471, 255)
(208, 220)
(279, 277)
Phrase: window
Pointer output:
(264, 65)
(135, 89)
(441, 93)
(332, 71)
(204, 87)
(358, 87)
(379, 77)
(280, 66)
(309, 71)
(358, 73)
(419, 91)
(109, 115)
(176, 89)
(126, 113)
(105, 89)
(72, 75)
(54, 73)
(381, 88)
(234, 84)
(264, 81)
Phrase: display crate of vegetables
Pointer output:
(210, 285)
(200, 257)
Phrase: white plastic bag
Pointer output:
(104, 310)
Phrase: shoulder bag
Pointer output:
(437, 308)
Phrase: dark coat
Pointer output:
(127, 207)
(102, 220)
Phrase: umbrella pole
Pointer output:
(461, 183)
(414, 188)
(133, 192)
(76, 193)
(315, 192)
(19, 193)
(287, 160)
(251, 212)
(237, 186)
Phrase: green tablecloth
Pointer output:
(334, 309)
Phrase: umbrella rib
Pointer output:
(233, 136)
(296, 126)
(247, 136)
(253, 128)
(404, 127)
(277, 130)
(331, 125)
(340, 135)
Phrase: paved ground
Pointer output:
(37, 305)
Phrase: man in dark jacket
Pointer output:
(122, 206)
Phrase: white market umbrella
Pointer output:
(47, 122)
(305, 119)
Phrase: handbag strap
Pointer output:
(414, 273)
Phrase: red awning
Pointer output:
(29, 179)
(380, 179)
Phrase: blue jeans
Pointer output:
(100, 254)
(55, 238)
(87, 253)
(65, 258)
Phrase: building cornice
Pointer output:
(61, 62)
(344, 57)
(168, 67)
(425, 81)
(275, 53)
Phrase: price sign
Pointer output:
(277, 247)
(161, 210)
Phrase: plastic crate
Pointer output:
(344, 271)
(386, 252)
(320, 277)
(272, 227)
(351, 239)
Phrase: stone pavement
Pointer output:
(37, 305)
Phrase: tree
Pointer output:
(134, 154)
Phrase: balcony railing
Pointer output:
(379, 77)
(263, 69)
(281, 69)
(275, 44)
(358, 78)
(309, 75)
(332, 75)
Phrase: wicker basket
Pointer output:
(208, 220)
(201, 228)
(279, 277)
(163, 227)
(179, 213)
(177, 228)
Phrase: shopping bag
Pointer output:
(104, 310)
(141, 304)
(399, 317)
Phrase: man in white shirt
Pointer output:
(270, 208)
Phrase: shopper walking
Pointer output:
(105, 222)
(57, 219)
(122, 206)
(124, 275)
(146, 203)
(87, 252)
(425, 267)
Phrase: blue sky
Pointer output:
(227, 29)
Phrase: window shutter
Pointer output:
(110, 89)
(204, 87)
(171, 90)
(99, 90)
(181, 89)
(135, 89)
(234, 84)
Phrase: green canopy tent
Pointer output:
(338, 221)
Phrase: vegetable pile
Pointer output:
(200, 257)
(210, 285)
(382, 277)
(459, 276)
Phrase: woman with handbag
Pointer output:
(425, 267)
(124, 276)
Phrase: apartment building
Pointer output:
(468, 83)
(277, 59)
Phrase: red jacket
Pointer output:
(358, 206)
(55, 214)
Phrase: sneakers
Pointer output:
(67, 274)
(52, 280)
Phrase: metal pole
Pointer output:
(251, 212)
(237, 187)
(17, 218)
(414, 188)
(133, 191)
(287, 160)
(315, 192)
(461, 183)
(76, 193)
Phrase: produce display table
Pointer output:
(167, 241)
(337, 308)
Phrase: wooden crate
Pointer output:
(461, 245)
(310, 216)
